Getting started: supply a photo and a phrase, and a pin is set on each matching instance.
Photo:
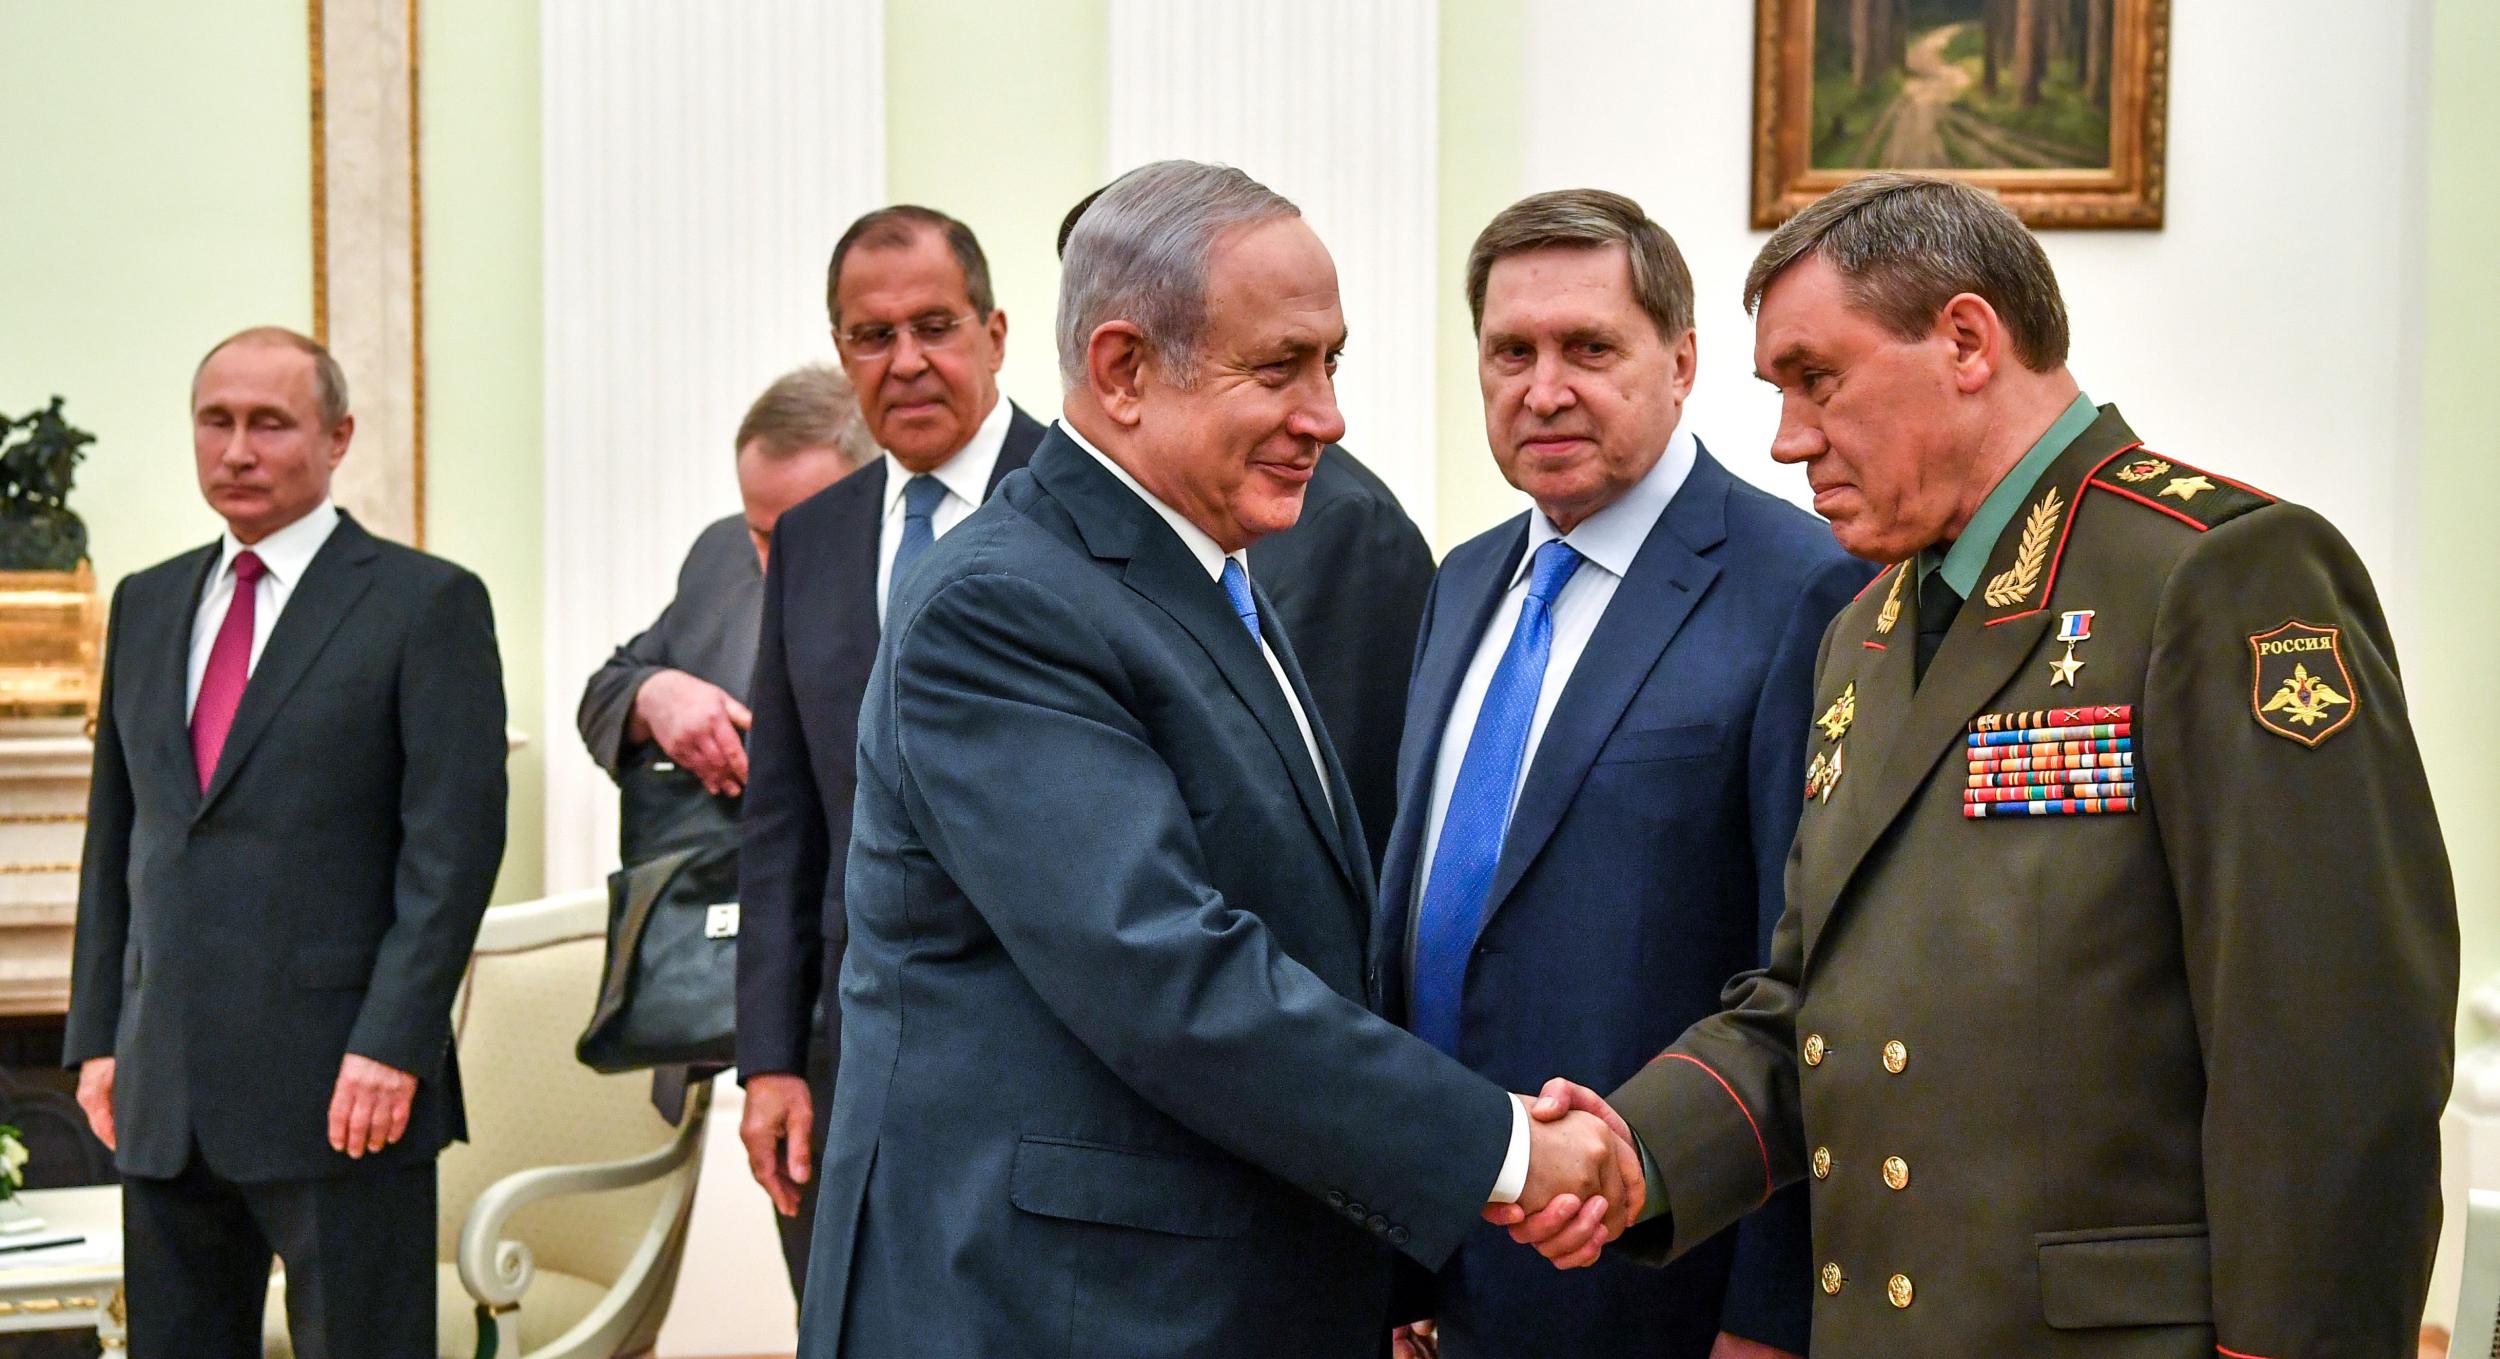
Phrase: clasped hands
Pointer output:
(1584, 1177)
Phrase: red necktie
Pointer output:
(229, 666)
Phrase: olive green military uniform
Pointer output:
(2111, 1012)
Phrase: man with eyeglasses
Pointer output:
(921, 337)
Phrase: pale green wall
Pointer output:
(996, 113)
(158, 160)
(1482, 106)
(2455, 666)
(478, 147)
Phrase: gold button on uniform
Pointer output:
(1831, 1278)
(1896, 1056)
(1899, 1290)
(1814, 1049)
(1822, 1163)
(1896, 1173)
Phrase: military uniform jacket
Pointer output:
(2110, 1014)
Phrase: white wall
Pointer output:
(2268, 331)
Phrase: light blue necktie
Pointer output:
(921, 495)
(1237, 589)
(1473, 826)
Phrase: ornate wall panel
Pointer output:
(368, 300)
(700, 160)
(1335, 106)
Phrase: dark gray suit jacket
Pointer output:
(1349, 580)
(1112, 1080)
(707, 631)
(322, 896)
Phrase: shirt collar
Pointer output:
(1612, 537)
(1962, 561)
(286, 552)
(1209, 553)
(966, 476)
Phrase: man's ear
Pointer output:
(996, 325)
(1115, 367)
(339, 438)
(1978, 339)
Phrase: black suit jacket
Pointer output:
(1112, 1084)
(1349, 582)
(322, 896)
(817, 643)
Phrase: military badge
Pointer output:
(2302, 690)
(2187, 488)
(1892, 602)
(2142, 469)
(1823, 776)
(1836, 718)
(2014, 584)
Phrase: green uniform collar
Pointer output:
(1962, 559)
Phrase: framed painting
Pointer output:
(2058, 106)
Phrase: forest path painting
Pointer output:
(1962, 84)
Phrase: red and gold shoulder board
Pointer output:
(2199, 499)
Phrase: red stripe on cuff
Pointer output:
(1767, 1184)
(2231, 1353)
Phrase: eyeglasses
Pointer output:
(929, 332)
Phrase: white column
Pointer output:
(700, 160)
(1335, 106)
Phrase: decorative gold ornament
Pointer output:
(1892, 602)
(2142, 469)
(2031, 554)
(2305, 698)
(2187, 488)
(2063, 671)
(1844, 710)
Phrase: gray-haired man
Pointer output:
(1113, 1080)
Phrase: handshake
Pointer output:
(1585, 1185)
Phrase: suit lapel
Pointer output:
(1117, 525)
(853, 589)
(1667, 579)
(1024, 434)
(1349, 837)
(1995, 632)
(338, 576)
(167, 699)
(1475, 592)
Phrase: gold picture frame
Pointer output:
(2060, 107)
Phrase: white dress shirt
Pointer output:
(1514, 1173)
(1607, 541)
(285, 553)
(966, 477)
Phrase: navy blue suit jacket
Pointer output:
(1112, 1080)
(1641, 871)
(814, 648)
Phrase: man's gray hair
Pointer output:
(1588, 219)
(329, 380)
(1139, 252)
(1907, 244)
(811, 407)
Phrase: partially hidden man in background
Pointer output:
(2112, 1011)
(921, 336)
(1114, 1079)
(296, 819)
(1610, 705)
(675, 695)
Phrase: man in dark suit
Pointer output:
(1616, 806)
(1113, 1084)
(296, 818)
(1348, 581)
(676, 693)
(921, 337)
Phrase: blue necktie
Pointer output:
(1478, 817)
(921, 495)
(1237, 589)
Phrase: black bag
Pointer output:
(668, 995)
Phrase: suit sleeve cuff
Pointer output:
(1514, 1177)
(1654, 1204)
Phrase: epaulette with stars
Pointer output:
(2199, 499)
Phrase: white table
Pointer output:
(68, 1288)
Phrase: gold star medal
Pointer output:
(2073, 626)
